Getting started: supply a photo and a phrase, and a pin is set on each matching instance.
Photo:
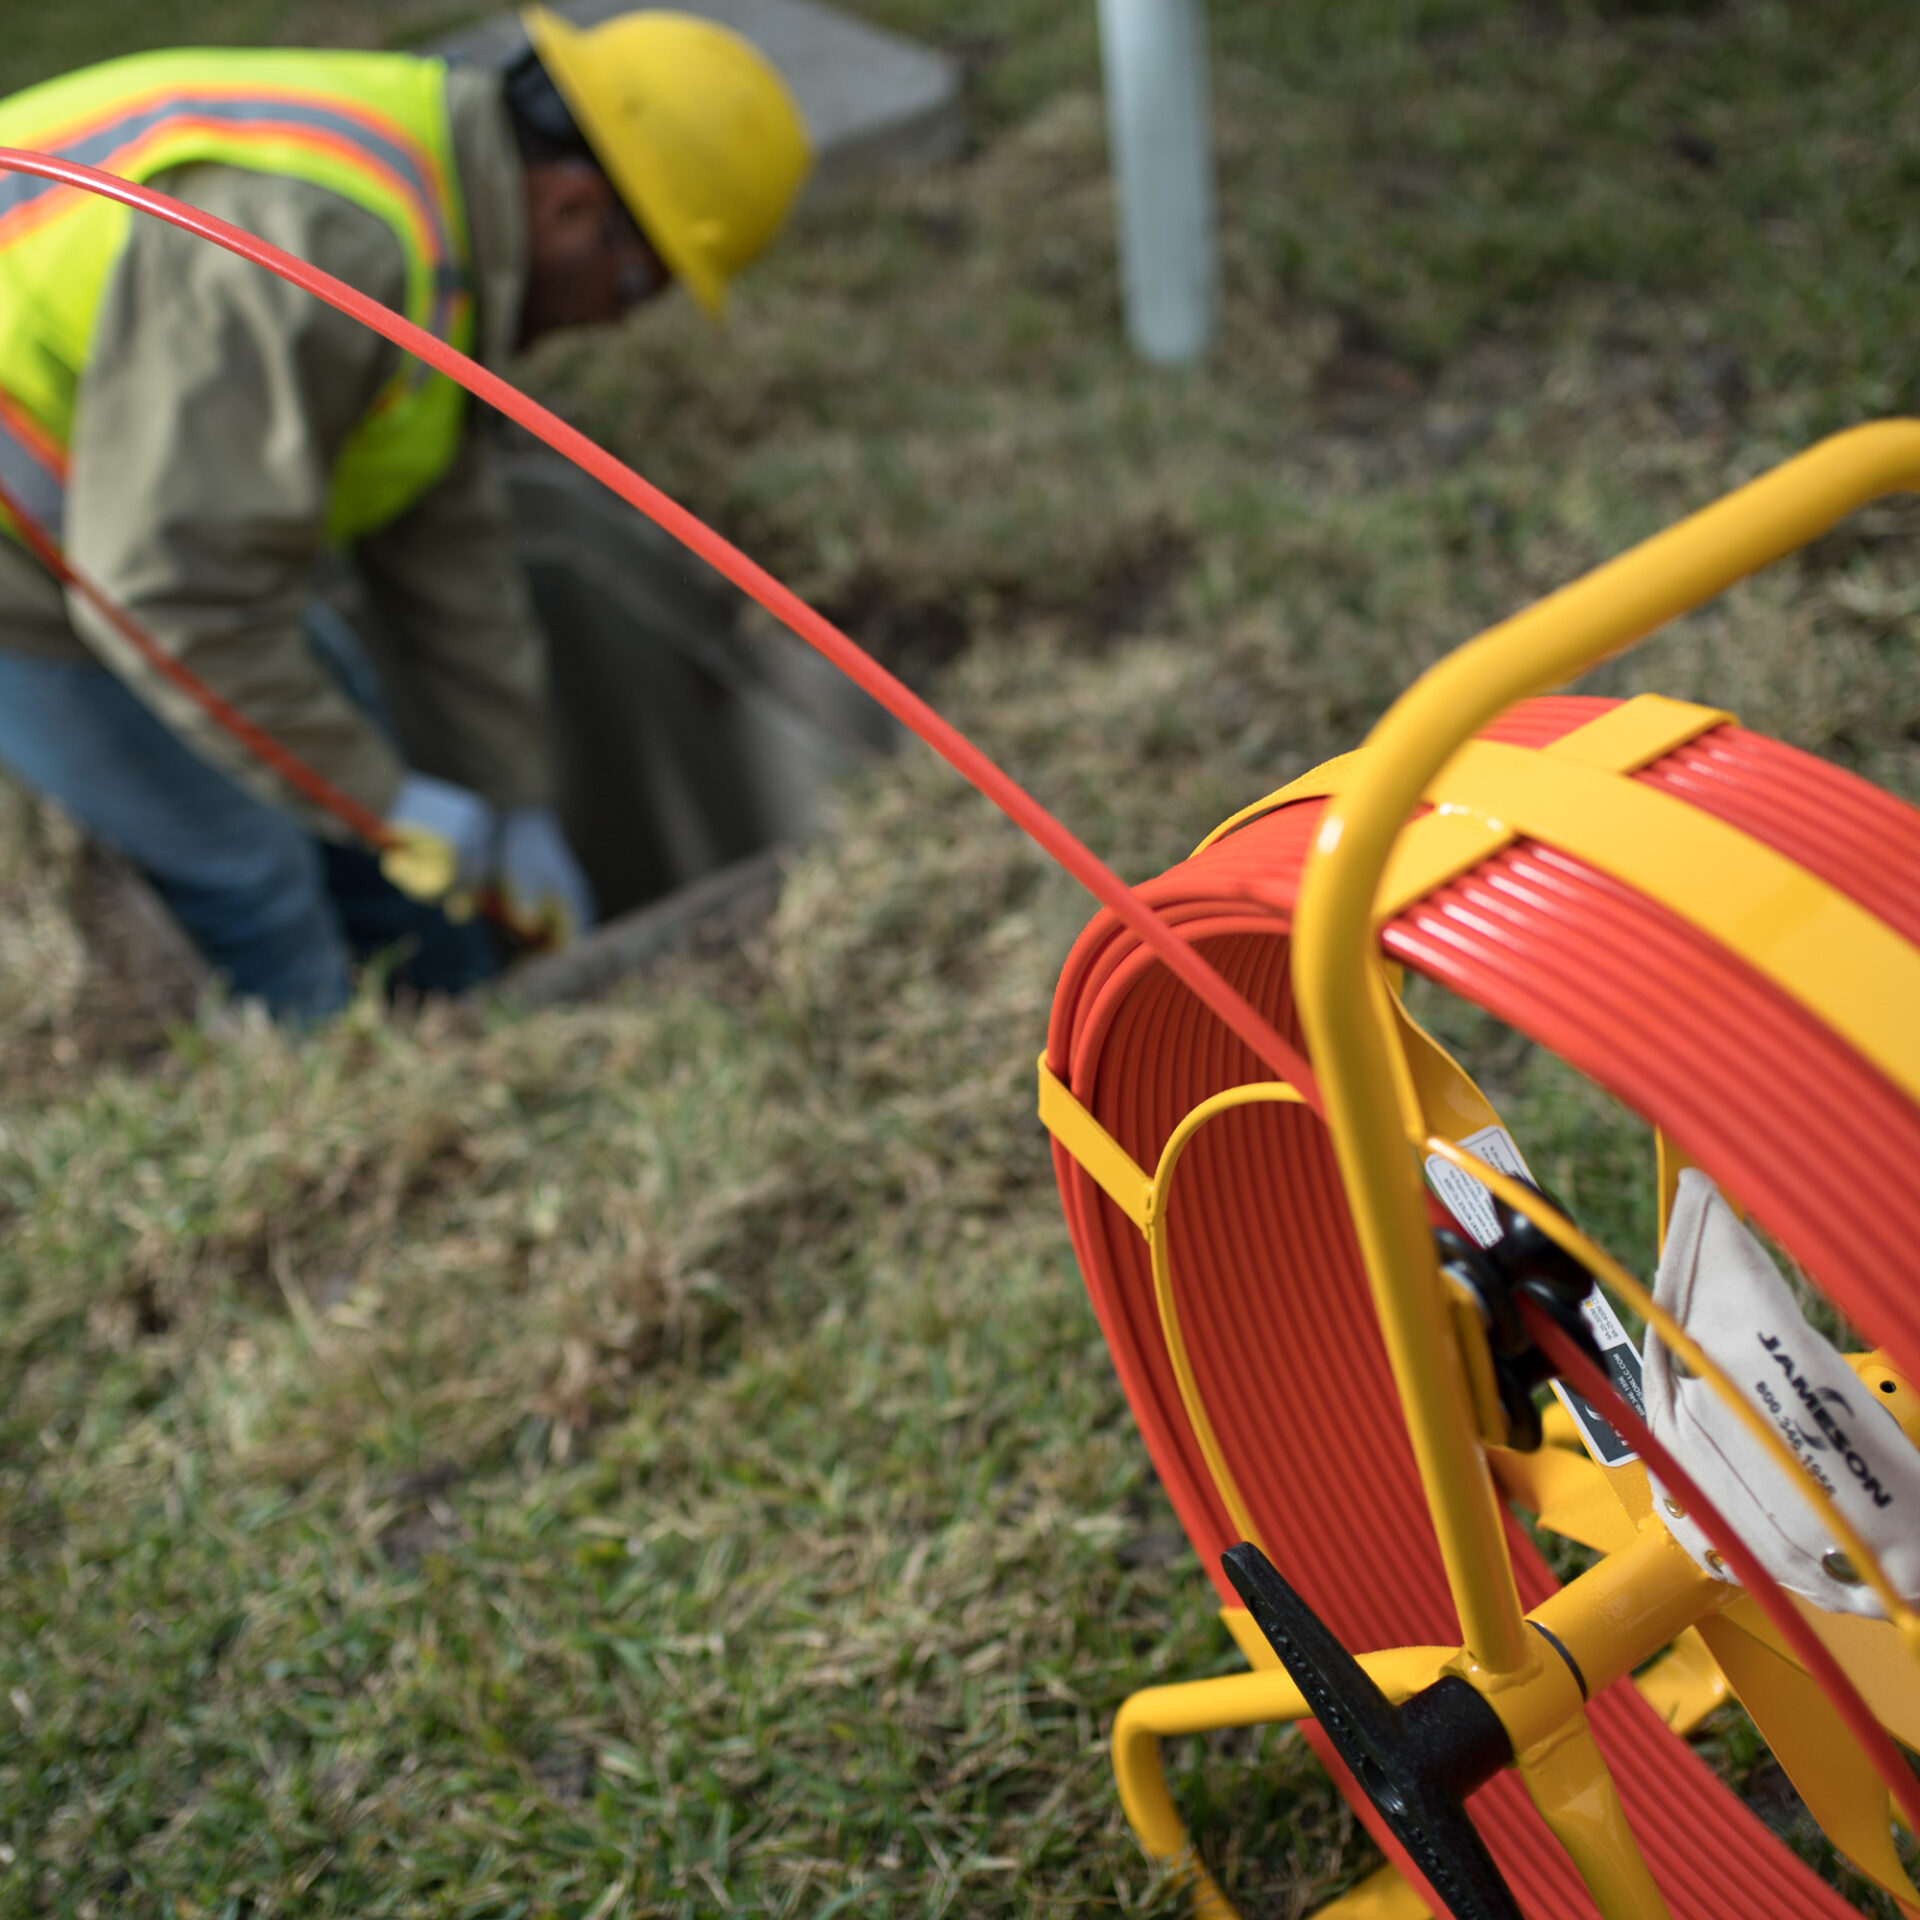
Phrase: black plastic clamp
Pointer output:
(1523, 1261)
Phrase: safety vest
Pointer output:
(369, 126)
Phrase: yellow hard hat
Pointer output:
(695, 128)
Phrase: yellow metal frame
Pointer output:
(1334, 941)
(1386, 1086)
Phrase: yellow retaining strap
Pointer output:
(1622, 740)
(1434, 849)
(1115, 1171)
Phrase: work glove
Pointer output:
(544, 895)
(1721, 1284)
(444, 844)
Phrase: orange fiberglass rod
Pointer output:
(1267, 1259)
(726, 559)
(969, 761)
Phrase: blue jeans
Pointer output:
(280, 913)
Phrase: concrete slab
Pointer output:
(873, 101)
(719, 908)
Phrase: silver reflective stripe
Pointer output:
(42, 493)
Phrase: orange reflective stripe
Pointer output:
(118, 141)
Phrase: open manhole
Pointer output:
(687, 739)
(692, 745)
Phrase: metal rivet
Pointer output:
(1715, 1561)
(1840, 1569)
(1675, 1508)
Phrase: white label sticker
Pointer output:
(1603, 1322)
(1462, 1195)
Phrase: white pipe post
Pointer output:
(1154, 53)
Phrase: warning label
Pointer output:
(1622, 1360)
(1462, 1195)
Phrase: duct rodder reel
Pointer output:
(1333, 1306)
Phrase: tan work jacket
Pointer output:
(210, 415)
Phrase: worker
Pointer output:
(192, 434)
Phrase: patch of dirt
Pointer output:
(917, 627)
(1354, 388)
(424, 1522)
(143, 974)
(100, 973)
(1363, 383)
(565, 1772)
(1132, 581)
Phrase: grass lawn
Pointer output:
(656, 1457)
